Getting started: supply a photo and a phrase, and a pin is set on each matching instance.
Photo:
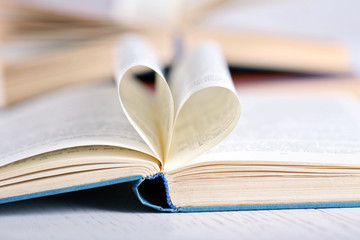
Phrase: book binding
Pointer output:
(169, 207)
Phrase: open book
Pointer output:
(286, 151)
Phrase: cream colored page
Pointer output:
(76, 116)
(71, 157)
(139, 105)
(165, 115)
(206, 105)
(151, 113)
(200, 68)
(300, 128)
(79, 159)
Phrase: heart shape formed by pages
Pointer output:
(183, 119)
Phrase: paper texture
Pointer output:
(198, 110)
(302, 128)
(206, 105)
(87, 158)
(77, 116)
(150, 113)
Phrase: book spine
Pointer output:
(147, 189)
(158, 187)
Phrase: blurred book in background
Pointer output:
(49, 44)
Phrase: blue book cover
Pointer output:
(166, 204)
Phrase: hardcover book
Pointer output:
(181, 142)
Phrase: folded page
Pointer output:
(206, 105)
(151, 113)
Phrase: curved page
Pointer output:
(150, 112)
(206, 105)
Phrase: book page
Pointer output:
(206, 105)
(82, 158)
(293, 128)
(77, 116)
(150, 112)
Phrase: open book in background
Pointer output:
(29, 68)
(181, 144)
(50, 44)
